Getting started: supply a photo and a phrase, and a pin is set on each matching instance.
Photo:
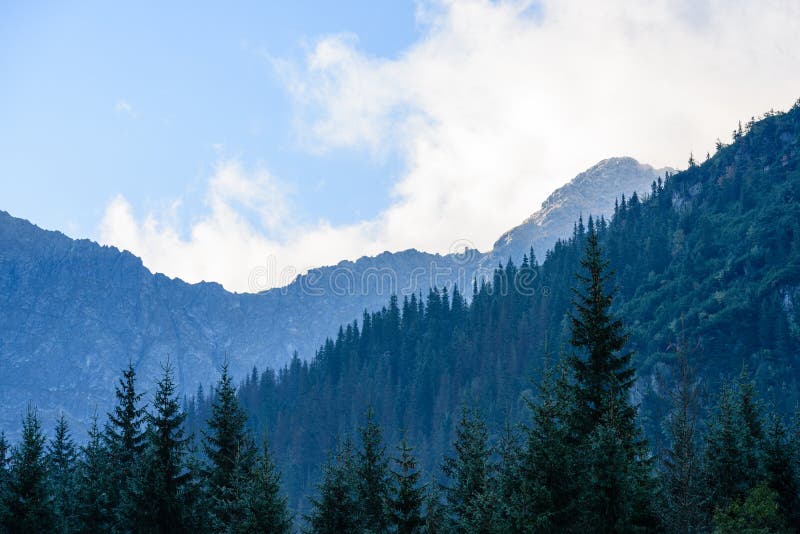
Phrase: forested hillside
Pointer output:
(713, 252)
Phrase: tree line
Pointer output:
(581, 462)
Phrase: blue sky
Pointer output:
(103, 98)
(212, 139)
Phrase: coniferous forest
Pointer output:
(643, 378)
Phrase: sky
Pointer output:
(216, 139)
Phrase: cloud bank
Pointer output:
(495, 105)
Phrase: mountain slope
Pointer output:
(713, 254)
(74, 313)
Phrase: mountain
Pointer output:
(74, 312)
(710, 256)
(592, 192)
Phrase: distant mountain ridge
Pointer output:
(74, 312)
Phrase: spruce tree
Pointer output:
(94, 507)
(435, 521)
(161, 475)
(681, 470)
(373, 477)
(508, 499)
(229, 449)
(549, 488)
(124, 434)
(781, 470)
(613, 457)
(264, 507)
(724, 465)
(61, 466)
(601, 365)
(336, 508)
(468, 472)
(29, 504)
(407, 499)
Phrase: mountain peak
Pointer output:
(593, 191)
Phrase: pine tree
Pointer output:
(61, 465)
(681, 472)
(602, 423)
(264, 507)
(94, 507)
(724, 466)
(406, 502)
(125, 439)
(336, 508)
(548, 471)
(603, 374)
(508, 498)
(468, 472)
(435, 510)
(781, 470)
(29, 505)
(373, 477)
(229, 449)
(161, 474)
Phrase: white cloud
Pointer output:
(497, 104)
(247, 241)
(123, 106)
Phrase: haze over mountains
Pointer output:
(74, 312)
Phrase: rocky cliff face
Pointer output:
(74, 313)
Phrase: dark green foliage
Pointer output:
(549, 484)
(125, 439)
(734, 450)
(407, 499)
(468, 474)
(94, 505)
(435, 510)
(29, 506)
(373, 478)
(161, 476)
(229, 450)
(62, 477)
(603, 375)
(261, 502)
(683, 490)
(757, 513)
(782, 471)
(336, 508)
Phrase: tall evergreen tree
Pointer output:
(29, 504)
(603, 374)
(468, 473)
(162, 473)
(125, 441)
(781, 470)
(724, 466)
(94, 507)
(61, 465)
(229, 449)
(602, 423)
(336, 508)
(681, 470)
(407, 499)
(549, 487)
(373, 477)
(435, 521)
(264, 507)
